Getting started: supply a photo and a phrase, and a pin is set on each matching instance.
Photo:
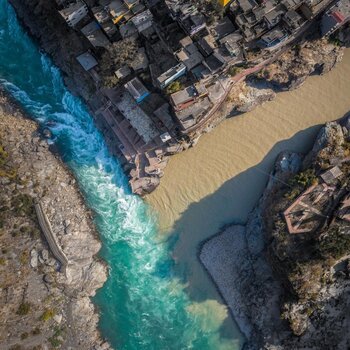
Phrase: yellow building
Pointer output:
(224, 2)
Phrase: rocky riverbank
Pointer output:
(43, 304)
(311, 56)
(288, 291)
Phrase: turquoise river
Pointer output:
(144, 304)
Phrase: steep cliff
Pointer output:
(288, 286)
(43, 304)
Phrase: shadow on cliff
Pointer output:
(231, 203)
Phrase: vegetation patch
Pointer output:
(47, 315)
(23, 309)
(335, 244)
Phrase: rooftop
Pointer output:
(87, 61)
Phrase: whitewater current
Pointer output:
(144, 304)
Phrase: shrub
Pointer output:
(23, 309)
(174, 87)
(36, 331)
(233, 70)
(24, 335)
(336, 244)
(47, 315)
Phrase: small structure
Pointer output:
(74, 12)
(331, 175)
(123, 72)
(189, 56)
(143, 21)
(184, 98)
(335, 17)
(191, 115)
(163, 114)
(105, 21)
(137, 90)
(344, 210)
(165, 137)
(273, 37)
(87, 61)
(222, 28)
(140, 61)
(293, 19)
(171, 75)
(95, 35)
(308, 211)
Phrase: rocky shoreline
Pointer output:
(311, 56)
(244, 264)
(44, 305)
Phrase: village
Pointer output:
(163, 67)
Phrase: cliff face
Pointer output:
(43, 305)
(290, 291)
(59, 41)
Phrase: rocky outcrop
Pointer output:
(253, 266)
(42, 304)
(292, 68)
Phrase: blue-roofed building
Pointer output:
(137, 90)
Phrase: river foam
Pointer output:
(144, 304)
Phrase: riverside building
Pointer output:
(186, 60)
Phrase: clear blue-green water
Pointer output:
(143, 305)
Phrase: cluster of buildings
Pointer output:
(182, 69)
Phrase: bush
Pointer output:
(23, 309)
(335, 245)
(233, 70)
(174, 87)
(47, 315)
(24, 335)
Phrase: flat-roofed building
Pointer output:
(184, 98)
(335, 17)
(105, 21)
(293, 19)
(87, 61)
(94, 34)
(273, 38)
(143, 20)
(171, 75)
(137, 90)
(74, 12)
(190, 116)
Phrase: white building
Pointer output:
(74, 12)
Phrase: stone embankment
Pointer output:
(64, 45)
(41, 306)
(276, 305)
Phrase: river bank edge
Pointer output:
(290, 70)
(64, 293)
(241, 261)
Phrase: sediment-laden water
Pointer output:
(221, 179)
(145, 303)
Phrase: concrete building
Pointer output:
(94, 34)
(104, 20)
(137, 90)
(184, 98)
(87, 61)
(273, 38)
(143, 21)
(74, 12)
(171, 75)
(335, 17)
